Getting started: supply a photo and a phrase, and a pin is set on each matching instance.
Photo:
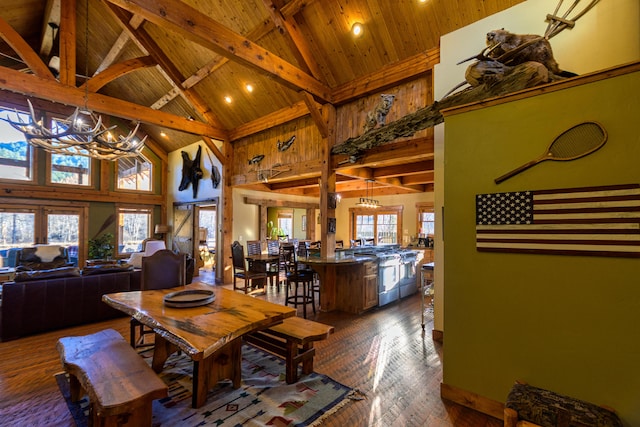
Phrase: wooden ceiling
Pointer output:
(183, 57)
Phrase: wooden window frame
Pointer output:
(385, 210)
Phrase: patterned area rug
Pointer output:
(263, 399)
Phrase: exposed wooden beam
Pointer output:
(67, 39)
(171, 71)
(294, 7)
(94, 84)
(421, 178)
(119, 45)
(214, 148)
(316, 114)
(284, 115)
(404, 169)
(279, 203)
(203, 30)
(24, 51)
(210, 67)
(403, 70)
(37, 87)
(398, 182)
(297, 43)
(387, 76)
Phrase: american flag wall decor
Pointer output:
(599, 221)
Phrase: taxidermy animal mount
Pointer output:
(255, 160)
(215, 173)
(191, 172)
(379, 115)
(284, 146)
(215, 176)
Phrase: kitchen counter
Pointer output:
(347, 283)
(338, 260)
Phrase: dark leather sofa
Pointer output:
(49, 303)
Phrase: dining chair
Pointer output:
(301, 279)
(162, 270)
(273, 269)
(240, 270)
(254, 247)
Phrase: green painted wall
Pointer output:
(566, 323)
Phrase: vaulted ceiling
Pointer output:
(184, 57)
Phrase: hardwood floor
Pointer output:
(383, 353)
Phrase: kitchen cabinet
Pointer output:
(370, 285)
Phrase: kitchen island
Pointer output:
(347, 283)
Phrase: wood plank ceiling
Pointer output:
(183, 57)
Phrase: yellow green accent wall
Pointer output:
(566, 323)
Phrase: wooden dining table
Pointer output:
(261, 263)
(211, 334)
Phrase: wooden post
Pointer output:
(225, 272)
(327, 183)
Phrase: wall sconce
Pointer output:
(332, 200)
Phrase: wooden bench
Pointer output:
(293, 340)
(120, 384)
(529, 406)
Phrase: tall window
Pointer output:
(365, 226)
(285, 222)
(426, 220)
(387, 229)
(69, 170)
(134, 225)
(134, 173)
(384, 225)
(17, 228)
(16, 156)
(56, 223)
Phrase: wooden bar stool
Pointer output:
(301, 279)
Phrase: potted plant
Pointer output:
(101, 247)
(275, 232)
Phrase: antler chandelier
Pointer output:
(82, 133)
(79, 134)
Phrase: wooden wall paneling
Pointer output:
(302, 156)
(410, 96)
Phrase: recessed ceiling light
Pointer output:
(249, 87)
(228, 99)
(356, 29)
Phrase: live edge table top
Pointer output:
(200, 331)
